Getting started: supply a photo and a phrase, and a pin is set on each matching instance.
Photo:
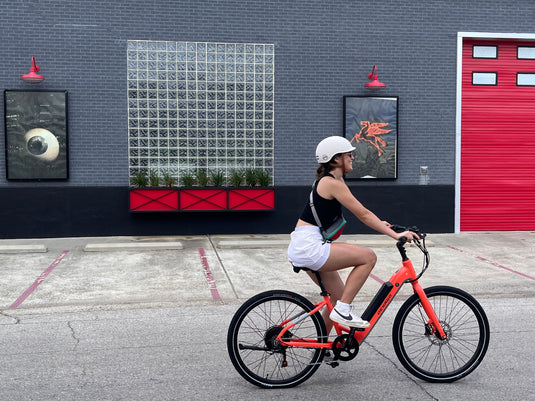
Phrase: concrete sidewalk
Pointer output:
(73, 274)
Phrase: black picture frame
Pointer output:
(36, 135)
(371, 125)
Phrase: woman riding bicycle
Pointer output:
(308, 248)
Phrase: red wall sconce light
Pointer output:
(374, 84)
(33, 77)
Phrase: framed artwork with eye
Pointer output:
(36, 135)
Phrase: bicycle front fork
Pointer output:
(434, 326)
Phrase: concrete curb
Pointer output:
(23, 249)
(383, 243)
(251, 244)
(266, 243)
(131, 246)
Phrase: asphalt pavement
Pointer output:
(137, 318)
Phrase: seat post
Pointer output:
(324, 292)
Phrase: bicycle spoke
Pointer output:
(259, 356)
(433, 358)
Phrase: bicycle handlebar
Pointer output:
(420, 244)
(399, 229)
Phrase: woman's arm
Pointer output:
(339, 190)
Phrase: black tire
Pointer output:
(430, 358)
(258, 358)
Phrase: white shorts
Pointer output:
(307, 248)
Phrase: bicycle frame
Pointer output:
(373, 312)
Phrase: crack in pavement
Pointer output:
(15, 318)
(402, 371)
(74, 336)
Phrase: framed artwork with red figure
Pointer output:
(371, 125)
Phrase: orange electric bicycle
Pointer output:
(278, 338)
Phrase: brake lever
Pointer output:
(417, 231)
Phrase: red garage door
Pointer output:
(498, 135)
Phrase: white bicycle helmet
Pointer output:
(331, 146)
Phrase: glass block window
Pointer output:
(200, 105)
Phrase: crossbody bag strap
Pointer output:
(312, 208)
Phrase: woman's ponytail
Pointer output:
(323, 170)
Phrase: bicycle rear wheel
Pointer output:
(430, 358)
(252, 345)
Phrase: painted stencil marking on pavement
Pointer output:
(491, 262)
(208, 275)
(376, 278)
(39, 280)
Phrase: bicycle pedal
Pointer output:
(333, 364)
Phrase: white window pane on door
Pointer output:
(484, 78)
(484, 51)
(525, 79)
(526, 52)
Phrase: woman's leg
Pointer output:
(335, 287)
(344, 255)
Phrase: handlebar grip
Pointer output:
(401, 248)
(398, 228)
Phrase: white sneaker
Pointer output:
(328, 357)
(350, 319)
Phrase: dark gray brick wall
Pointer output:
(324, 50)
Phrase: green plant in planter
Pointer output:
(263, 178)
(140, 179)
(168, 180)
(250, 177)
(154, 178)
(217, 178)
(236, 177)
(188, 179)
(202, 177)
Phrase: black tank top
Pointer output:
(327, 209)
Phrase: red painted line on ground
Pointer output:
(492, 263)
(208, 275)
(377, 278)
(39, 280)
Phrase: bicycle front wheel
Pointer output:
(430, 358)
(258, 356)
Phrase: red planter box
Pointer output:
(153, 199)
(203, 199)
(251, 199)
(199, 199)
